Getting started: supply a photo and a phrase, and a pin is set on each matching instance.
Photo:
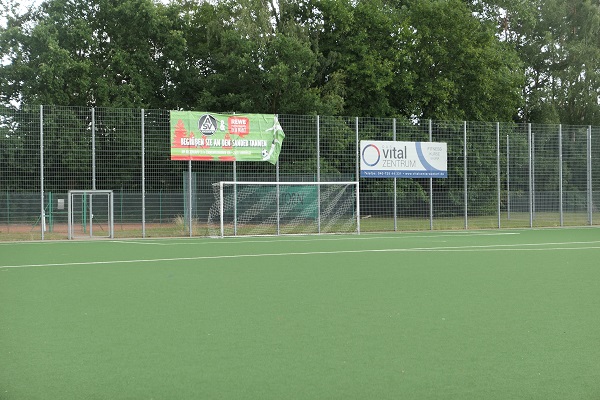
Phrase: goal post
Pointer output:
(283, 208)
(90, 214)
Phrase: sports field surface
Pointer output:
(509, 314)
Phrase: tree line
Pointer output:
(487, 60)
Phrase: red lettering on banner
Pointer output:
(239, 126)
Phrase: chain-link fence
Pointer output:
(500, 175)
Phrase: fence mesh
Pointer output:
(500, 175)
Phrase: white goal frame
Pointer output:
(319, 185)
(87, 198)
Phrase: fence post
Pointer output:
(508, 177)
(190, 196)
(430, 183)
(277, 179)
(589, 176)
(499, 184)
(93, 111)
(357, 178)
(8, 209)
(222, 209)
(143, 174)
(560, 176)
(278, 197)
(42, 212)
(395, 183)
(235, 199)
(50, 216)
(530, 156)
(318, 174)
(465, 180)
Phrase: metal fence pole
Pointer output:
(235, 199)
(508, 177)
(560, 176)
(589, 176)
(91, 197)
(93, 149)
(430, 183)
(498, 179)
(278, 194)
(357, 161)
(221, 208)
(530, 160)
(465, 180)
(533, 192)
(318, 174)
(190, 197)
(143, 175)
(42, 211)
(395, 182)
(277, 179)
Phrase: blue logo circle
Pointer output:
(370, 153)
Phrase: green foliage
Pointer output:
(475, 60)
(557, 41)
(462, 71)
(426, 59)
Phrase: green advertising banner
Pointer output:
(204, 136)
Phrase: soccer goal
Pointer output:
(283, 208)
(90, 214)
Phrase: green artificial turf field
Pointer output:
(423, 315)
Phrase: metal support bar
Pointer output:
(498, 177)
(143, 174)
(430, 182)
(42, 212)
(357, 178)
(560, 176)
(465, 179)
(530, 151)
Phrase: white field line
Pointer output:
(555, 246)
(238, 240)
(265, 239)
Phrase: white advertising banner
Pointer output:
(386, 159)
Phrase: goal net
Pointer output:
(283, 208)
(90, 214)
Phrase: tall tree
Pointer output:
(462, 70)
(264, 62)
(557, 41)
(417, 59)
(86, 53)
(360, 45)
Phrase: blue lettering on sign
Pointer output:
(393, 152)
